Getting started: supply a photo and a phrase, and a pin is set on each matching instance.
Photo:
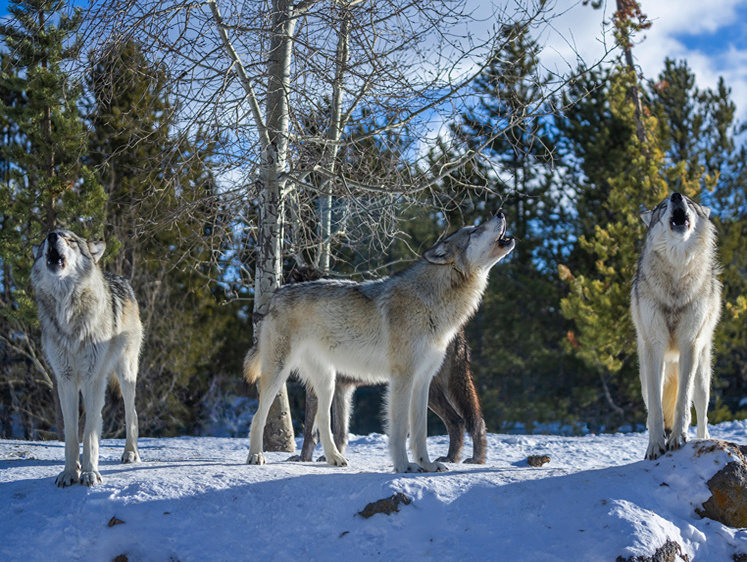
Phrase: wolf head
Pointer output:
(677, 223)
(473, 248)
(64, 254)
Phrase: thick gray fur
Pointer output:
(675, 304)
(394, 330)
(91, 330)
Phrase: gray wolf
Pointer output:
(393, 330)
(452, 396)
(91, 329)
(675, 304)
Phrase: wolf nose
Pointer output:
(52, 237)
(500, 215)
(676, 197)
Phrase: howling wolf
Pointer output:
(90, 330)
(675, 303)
(393, 330)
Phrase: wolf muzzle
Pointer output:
(55, 260)
(503, 240)
(680, 219)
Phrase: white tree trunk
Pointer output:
(273, 135)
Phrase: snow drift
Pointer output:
(193, 498)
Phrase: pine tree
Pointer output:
(163, 218)
(599, 302)
(45, 180)
(697, 127)
(521, 370)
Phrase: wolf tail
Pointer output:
(252, 366)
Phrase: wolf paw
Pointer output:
(295, 458)
(256, 458)
(67, 477)
(130, 457)
(337, 460)
(410, 467)
(435, 467)
(447, 459)
(474, 460)
(655, 450)
(90, 478)
(676, 442)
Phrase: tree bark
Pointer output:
(278, 434)
(623, 11)
(272, 130)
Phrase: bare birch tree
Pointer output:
(259, 70)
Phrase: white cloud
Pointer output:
(675, 24)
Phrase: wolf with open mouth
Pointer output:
(91, 330)
(675, 304)
(394, 330)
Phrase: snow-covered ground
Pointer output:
(193, 498)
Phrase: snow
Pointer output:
(194, 498)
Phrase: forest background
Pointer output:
(123, 131)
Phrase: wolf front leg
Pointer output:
(682, 416)
(68, 391)
(93, 400)
(419, 425)
(398, 405)
(652, 378)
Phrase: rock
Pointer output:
(538, 460)
(728, 501)
(387, 505)
(670, 551)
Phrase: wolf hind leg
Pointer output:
(269, 385)
(309, 429)
(341, 408)
(669, 397)
(455, 424)
(702, 391)
(126, 373)
(68, 392)
(323, 381)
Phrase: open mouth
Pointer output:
(55, 259)
(504, 240)
(679, 220)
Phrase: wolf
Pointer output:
(91, 329)
(675, 305)
(452, 397)
(393, 330)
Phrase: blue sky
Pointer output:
(732, 34)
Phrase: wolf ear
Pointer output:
(36, 251)
(646, 216)
(97, 250)
(440, 253)
(706, 211)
